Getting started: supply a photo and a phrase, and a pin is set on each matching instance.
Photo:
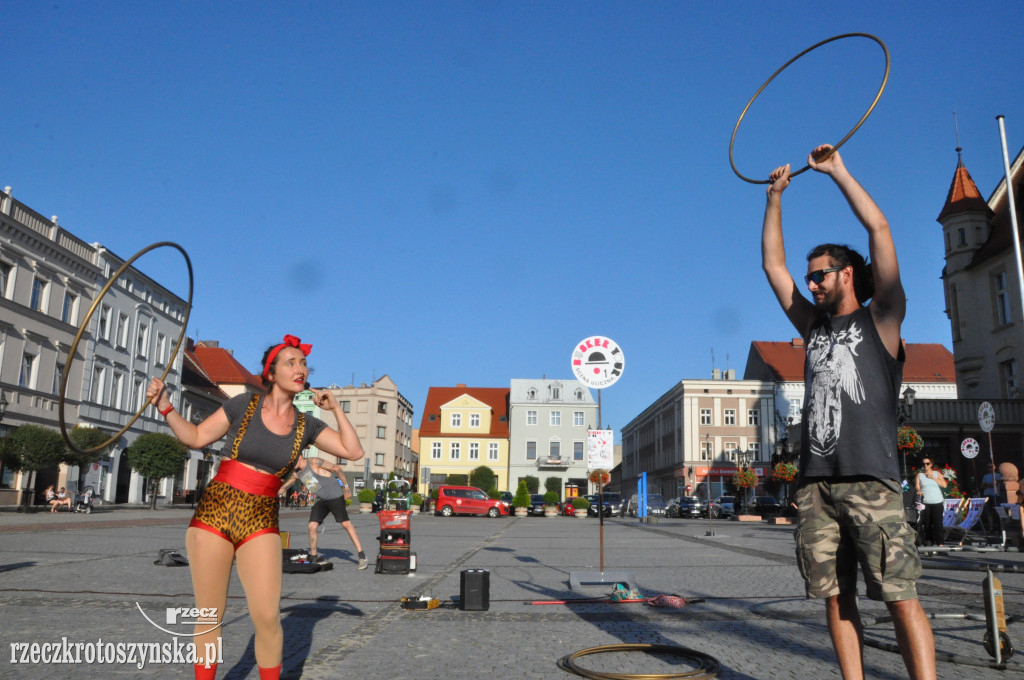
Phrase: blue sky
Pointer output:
(458, 192)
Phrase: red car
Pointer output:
(467, 500)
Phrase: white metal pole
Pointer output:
(1011, 205)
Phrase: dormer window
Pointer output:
(579, 394)
(531, 394)
(556, 392)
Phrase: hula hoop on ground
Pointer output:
(708, 666)
(835, 147)
(85, 322)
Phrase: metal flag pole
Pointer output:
(1013, 212)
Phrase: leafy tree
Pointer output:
(482, 477)
(551, 498)
(86, 438)
(9, 458)
(156, 455)
(532, 483)
(553, 485)
(457, 480)
(37, 447)
(522, 497)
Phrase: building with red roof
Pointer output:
(462, 428)
(227, 372)
(982, 290)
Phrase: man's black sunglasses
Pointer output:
(819, 275)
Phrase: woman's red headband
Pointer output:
(289, 341)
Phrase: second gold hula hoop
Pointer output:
(835, 147)
(81, 331)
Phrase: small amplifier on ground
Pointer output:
(475, 590)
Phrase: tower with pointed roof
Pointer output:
(981, 288)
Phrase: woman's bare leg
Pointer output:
(259, 568)
(209, 559)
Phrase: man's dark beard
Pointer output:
(827, 307)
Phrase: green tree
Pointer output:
(553, 485)
(9, 458)
(86, 438)
(37, 447)
(522, 497)
(156, 455)
(482, 477)
(457, 480)
(532, 483)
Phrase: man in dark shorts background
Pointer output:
(330, 499)
(850, 508)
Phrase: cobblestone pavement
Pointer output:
(91, 578)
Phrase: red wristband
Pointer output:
(165, 411)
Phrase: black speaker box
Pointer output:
(475, 590)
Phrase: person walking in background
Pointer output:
(330, 499)
(929, 484)
(236, 522)
(849, 500)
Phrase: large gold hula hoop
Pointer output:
(707, 666)
(835, 147)
(85, 322)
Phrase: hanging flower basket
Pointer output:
(745, 479)
(784, 472)
(909, 441)
(600, 477)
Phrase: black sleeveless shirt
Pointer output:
(851, 391)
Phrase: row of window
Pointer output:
(729, 416)
(555, 393)
(555, 418)
(455, 451)
(554, 451)
(731, 451)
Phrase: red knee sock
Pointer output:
(204, 673)
(271, 673)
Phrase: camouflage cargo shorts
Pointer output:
(842, 524)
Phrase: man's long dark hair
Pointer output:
(845, 256)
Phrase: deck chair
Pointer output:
(963, 529)
(951, 512)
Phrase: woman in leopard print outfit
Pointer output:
(236, 520)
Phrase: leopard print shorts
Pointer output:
(235, 515)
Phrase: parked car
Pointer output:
(506, 498)
(616, 502)
(655, 506)
(467, 500)
(537, 504)
(685, 506)
(592, 510)
(723, 506)
(765, 506)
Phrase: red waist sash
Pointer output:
(246, 479)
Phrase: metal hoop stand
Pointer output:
(835, 147)
(85, 322)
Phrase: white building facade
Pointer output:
(548, 423)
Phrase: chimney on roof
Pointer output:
(460, 386)
(716, 374)
(798, 342)
(212, 344)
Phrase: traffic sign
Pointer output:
(986, 416)
(970, 448)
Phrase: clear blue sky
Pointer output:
(459, 192)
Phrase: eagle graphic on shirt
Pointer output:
(833, 373)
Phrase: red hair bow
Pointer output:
(288, 341)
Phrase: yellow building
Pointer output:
(463, 428)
